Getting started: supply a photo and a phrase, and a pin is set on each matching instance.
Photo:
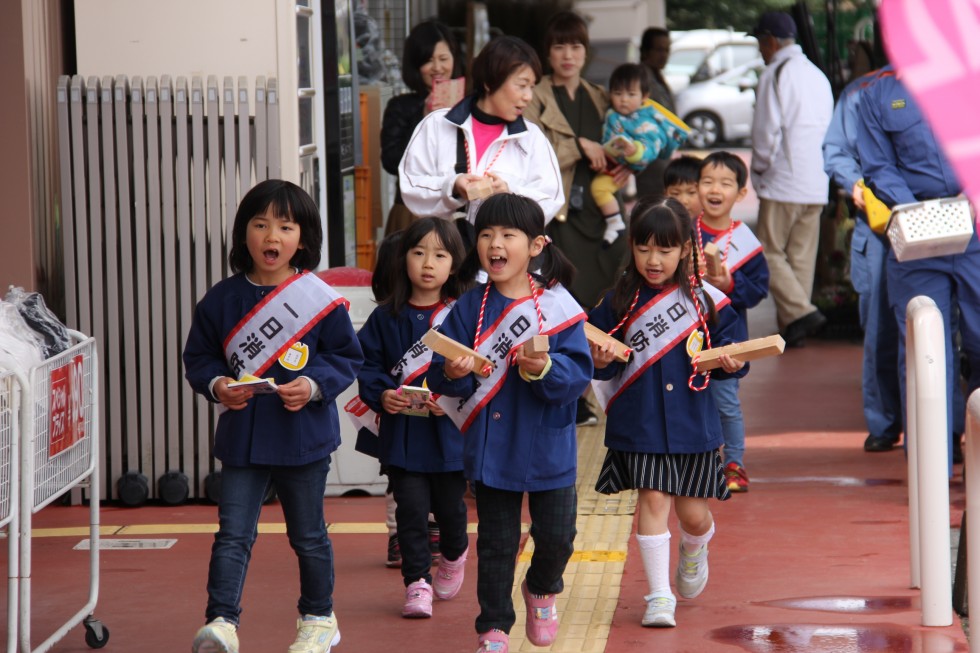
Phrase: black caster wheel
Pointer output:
(133, 489)
(96, 635)
(173, 488)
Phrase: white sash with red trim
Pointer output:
(278, 322)
(744, 245)
(665, 321)
(412, 365)
(515, 326)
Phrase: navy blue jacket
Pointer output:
(658, 412)
(418, 444)
(524, 438)
(900, 158)
(751, 286)
(264, 432)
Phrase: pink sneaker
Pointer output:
(495, 641)
(542, 617)
(418, 600)
(449, 578)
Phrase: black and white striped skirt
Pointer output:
(700, 475)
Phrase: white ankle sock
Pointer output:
(692, 543)
(655, 552)
(614, 225)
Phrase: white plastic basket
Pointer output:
(931, 228)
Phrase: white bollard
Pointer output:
(971, 459)
(928, 445)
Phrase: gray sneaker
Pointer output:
(659, 612)
(692, 572)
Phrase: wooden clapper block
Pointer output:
(446, 346)
(597, 336)
(746, 351)
(537, 347)
(479, 189)
(712, 259)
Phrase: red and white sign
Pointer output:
(66, 407)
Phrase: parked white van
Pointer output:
(701, 54)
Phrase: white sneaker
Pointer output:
(315, 634)
(218, 636)
(659, 612)
(692, 572)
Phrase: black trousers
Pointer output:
(499, 537)
(416, 495)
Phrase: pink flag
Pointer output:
(935, 46)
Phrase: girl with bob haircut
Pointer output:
(483, 146)
(277, 324)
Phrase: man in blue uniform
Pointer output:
(901, 162)
(880, 391)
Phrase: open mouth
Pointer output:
(497, 263)
(270, 255)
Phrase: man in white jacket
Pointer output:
(793, 110)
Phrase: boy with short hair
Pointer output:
(743, 276)
(681, 182)
(637, 131)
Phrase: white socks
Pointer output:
(692, 543)
(655, 552)
(614, 226)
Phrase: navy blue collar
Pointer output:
(464, 108)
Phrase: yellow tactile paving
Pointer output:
(593, 575)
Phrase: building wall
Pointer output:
(17, 257)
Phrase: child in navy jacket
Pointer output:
(422, 455)
(662, 431)
(518, 422)
(744, 277)
(272, 320)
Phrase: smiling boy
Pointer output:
(744, 277)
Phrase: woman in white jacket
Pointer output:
(483, 138)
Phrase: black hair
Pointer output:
(685, 169)
(419, 45)
(448, 235)
(288, 202)
(650, 35)
(625, 75)
(382, 281)
(518, 212)
(498, 60)
(664, 222)
(565, 27)
(727, 160)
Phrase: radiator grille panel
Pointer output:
(151, 172)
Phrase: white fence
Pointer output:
(151, 174)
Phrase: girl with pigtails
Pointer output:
(663, 433)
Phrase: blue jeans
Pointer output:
(300, 489)
(880, 392)
(953, 282)
(724, 392)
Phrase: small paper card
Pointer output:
(447, 92)
(418, 396)
(258, 386)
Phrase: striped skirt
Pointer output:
(700, 475)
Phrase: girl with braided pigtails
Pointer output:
(663, 433)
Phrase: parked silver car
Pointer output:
(719, 110)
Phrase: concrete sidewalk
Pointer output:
(813, 558)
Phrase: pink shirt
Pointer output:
(484, 134)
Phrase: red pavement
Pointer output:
(813, 558)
